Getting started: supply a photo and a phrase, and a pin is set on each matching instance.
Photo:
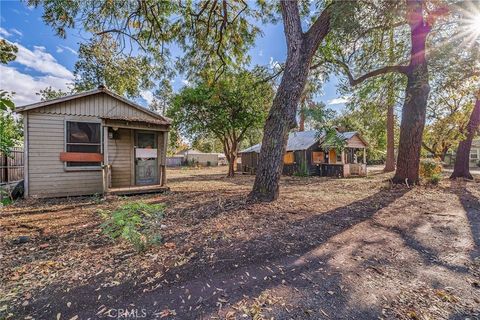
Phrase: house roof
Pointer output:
(303, 140)
(100, 89)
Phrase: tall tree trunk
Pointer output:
(462, 165)
(231, 165)
(416, 95)
(301, 123)
(282, 116)
(390, 159)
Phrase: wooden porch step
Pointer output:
(135, 190)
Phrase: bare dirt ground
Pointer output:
(328, 249)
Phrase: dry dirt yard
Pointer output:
(328, 249)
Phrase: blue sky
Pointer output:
(45, 59)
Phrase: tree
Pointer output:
(462, 165)
(226, 109)
(10, 126)
(301, 47)
(100, 63)
(162, 97)
(420, 20)
(214, 35)
(50, 93)
(8, 51)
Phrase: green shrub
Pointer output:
(135, 222)
(435, 178)
(431, 170)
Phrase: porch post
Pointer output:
(364, 155)
(106, 171)
(164, 159)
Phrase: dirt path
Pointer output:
(328, 249)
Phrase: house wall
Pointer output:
(203, 159)
(120, 156)
(45, 135)
(97, 105)
(47, 176)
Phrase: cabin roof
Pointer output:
(303, 140)
(100, 89)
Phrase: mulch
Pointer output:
(327, 249)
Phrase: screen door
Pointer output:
(146, 160)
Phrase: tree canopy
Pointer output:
(227, 109)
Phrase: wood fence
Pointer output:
(12, 166)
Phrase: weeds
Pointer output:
(136, 222)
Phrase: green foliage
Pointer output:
(50, 93)
(136, 222)
(10, 125)
(431, 170)
(212, 35)
(101, 63)
(8, 51)
(224, 110)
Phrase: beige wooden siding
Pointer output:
(355, 142)
(46, 173)
(120, 156)
(97, 105)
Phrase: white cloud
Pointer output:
(147, 95)
(25, 86)
(186, 82)
(4, 32)
(335, 101)
(42, 61)
(70, 49)
(18, 32)
(61, 48)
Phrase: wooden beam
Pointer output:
(106, 166)
(80, 157)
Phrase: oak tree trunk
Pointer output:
(416, 95)
(462, 162)
(282, 116)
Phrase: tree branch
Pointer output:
(371, 74)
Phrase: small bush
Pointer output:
(435, 179)
(431, 170)
(136, 222)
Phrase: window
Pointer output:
(474, 155)
(318, 157)
(83, 137)
(289, 158)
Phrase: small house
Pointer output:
(307, 154)
(93, 142)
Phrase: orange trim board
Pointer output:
(81, 157)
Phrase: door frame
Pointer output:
(134, 161)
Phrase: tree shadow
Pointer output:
(471, 205)
(275, 258)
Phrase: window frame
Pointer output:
(313, 158)
(474, 152)
(293, 157)
(65, 137)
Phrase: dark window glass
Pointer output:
(83, 132)
(83, 137)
